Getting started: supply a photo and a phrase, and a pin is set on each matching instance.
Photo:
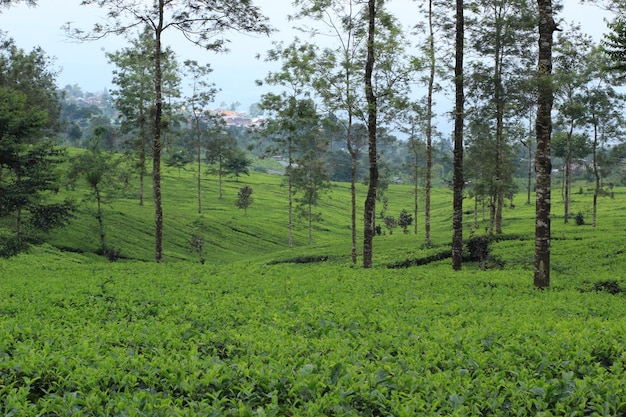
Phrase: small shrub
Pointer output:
(110, 252)
(579, 219)
(196, 246)
(610, 286)
(390, 223)
(478, 247)
(405, 220)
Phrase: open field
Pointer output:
(254, 333)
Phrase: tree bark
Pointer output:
(567, 183)
(157, 144)
(543, 166)
(429, 126)
(353, 165)
(372, 115)
(199, 173)
(596, 173)
(458, 181)
(499, 102)
(290, 193)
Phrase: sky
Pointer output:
(234, 73)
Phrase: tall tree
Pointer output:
(411, 125)
(605, 107)
(372, 125)
(134, 96)
(432, 66)
(29, 113)
(200, 21)
(571, 75)
(202, 94)
(98, 168)
(220, 146)
(340, 70)
(458, 181)
(500, 32)
(310, 176)
(292, 115)
(543, 165)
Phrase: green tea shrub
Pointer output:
(579, 218)
(610, 286)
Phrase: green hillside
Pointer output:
(262, 235)
(256, 332)
(229, 234)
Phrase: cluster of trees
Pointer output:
(29, 118)
(349, 92)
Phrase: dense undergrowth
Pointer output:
(263, 330)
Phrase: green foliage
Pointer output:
(196, 246)
(252, 339)
(236, 164)
(579, 218)
(244, 198)
(405, 219)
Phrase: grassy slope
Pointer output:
(229, 234)
(262, 234)
(238, 336)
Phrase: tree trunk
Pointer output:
(499, 101)
(415, 191)
(99, 218)
(199, 162)
(567, 182)
(429, 126)
(530, 161)
(372, 115)
(354, 155)
(476, 211)
(543, 166)
(219, 171)
(157, 141)
(310, 224)
(458, 181)
(596, 172)
(290, 193)
(142, 154)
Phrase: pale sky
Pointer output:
(235, 72)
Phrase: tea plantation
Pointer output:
(262, 330)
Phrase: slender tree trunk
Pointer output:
(596, 172)
(429, 125)
(100, 219)
(567, 182)
(530, 161)
(476, 212)
(199, 172)
(310, 224)
(354, 155)
(290, 192)
(142, 154)
(458, 181)
(499, 101)
(219, 174)
(415, 189)
(157, 142)
(543, 166)
(492, 213)
(372, 115)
